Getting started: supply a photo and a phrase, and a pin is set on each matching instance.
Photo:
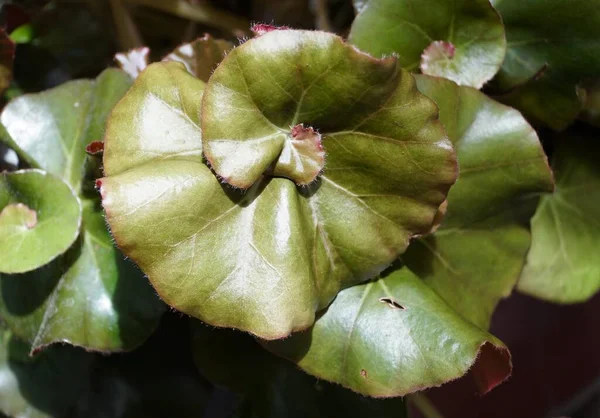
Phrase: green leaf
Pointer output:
(45, 386)
(274, 387)
(39, 219)
(562, 264)
(89, 296)
(55, 126)
(392, 337)
(266, 259)
(424, 324)
(478, 252)
(552, 46)
(201, 56)
(591, 106)
(462, 40)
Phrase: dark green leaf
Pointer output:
(552, 46)
(275, 387)
(479, 250)
(562, 265)
(462, 40)
(266, 259)
(39, 219)
(90, 296)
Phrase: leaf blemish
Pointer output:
(391, 303)
(363, 373)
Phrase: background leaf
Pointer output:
(547, 57)
(462, 40)
(39, 219)
(479, 250)
(561, 265)
(90, 296)
(201, 56)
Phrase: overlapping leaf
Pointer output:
(266, 259)
(562, 265)
(202, 56)
(478, 252)
(37, 211)
(462, 40)
(89, 296)
(552, 46)
(424, 324)
(274, 387)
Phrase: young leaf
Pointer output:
(462, 40)
(392, 337)
(274, 387)
(201, 56)
(89, 296)
(266, 259)
(552, 46)
(39, 219)
(562, 264)
(478, 252)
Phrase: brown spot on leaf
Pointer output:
(363, 373)
(391, 303)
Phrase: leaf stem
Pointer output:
(424, 405)
(127, 32)
(201, 13)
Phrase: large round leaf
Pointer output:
(388, 328)
(274, 387)
(462, 40)
(395, 336)
(266, 259)
(478, 252)
(552, 46)
(89, 296)
(562, 265)
(39, 219)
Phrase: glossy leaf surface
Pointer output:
(461, 270)
(552, 46)
(266, 259)
(89, 296)
(201, 56)
(37, 211)
(392, 337)
(461, 40)
(274, 387)
(562, 264)
(478, 252)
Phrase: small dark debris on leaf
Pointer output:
(391, 303)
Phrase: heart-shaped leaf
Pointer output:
(552, 46)
(462, 40)
(266, 259)
(388, 328)
(395, 336)
(478, 252)
(274, 387)
(89, 296)
(39, 219)
(562, 265)
(201, 56)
